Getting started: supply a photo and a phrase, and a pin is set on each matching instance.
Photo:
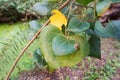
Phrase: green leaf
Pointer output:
(39, 58)
(112, 29)
(115, 25)
(95, 51)
(37, 54)
(100, 30)
(90, 14)
(46, 37)
(115, 1)
(34, 25)
(41, 8)
(85, 2)
(62, 45)
(102, 6)
(76, 26)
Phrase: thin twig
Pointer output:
(30, 42)
(24, 49)
(64, 4)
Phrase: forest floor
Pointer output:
(108, 68)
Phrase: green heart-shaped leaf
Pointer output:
(112, 29)
(75, 25)
(46, 37)
(62, 45)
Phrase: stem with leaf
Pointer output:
(31, 41)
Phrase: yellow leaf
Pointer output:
(58, 19)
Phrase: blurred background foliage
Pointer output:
(13, 37)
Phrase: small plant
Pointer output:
(67, 78)
(117, 45)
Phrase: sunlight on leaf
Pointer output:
(58, 19)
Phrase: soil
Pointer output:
(109, 50)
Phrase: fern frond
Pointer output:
(10, 50)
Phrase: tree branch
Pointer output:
(64, 4)
(30, 42)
